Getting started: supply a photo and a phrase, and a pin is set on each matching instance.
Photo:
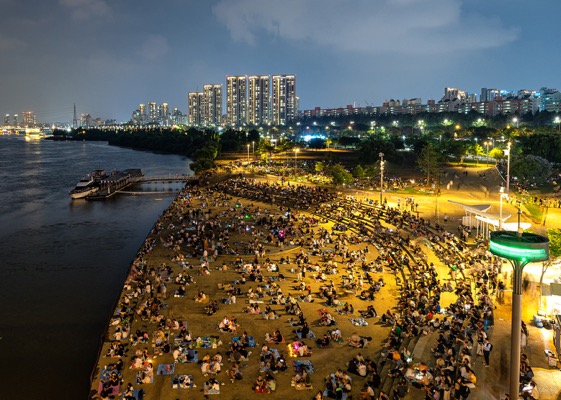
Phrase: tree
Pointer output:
(477, 151)
(316, 143)
(320, 166)
(339, 174)
(430, 161)
(371, 148)
(497, 153)
(358, 172)
(554, 236)
(531, 168)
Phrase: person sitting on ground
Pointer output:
(260, 386)
(369, 312)
(271, 383)
(355, 340)
(301, 380)
(303, 332)
(303, 349)
(276, 337)
(388, 318)
(269, 313)
(323, 341)
(234, 372)
(212, 385)
(201, 296)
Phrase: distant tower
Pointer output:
(75, 119)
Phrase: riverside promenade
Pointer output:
(228, 250)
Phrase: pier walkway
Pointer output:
(119, 182)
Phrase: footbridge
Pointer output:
(170, 178)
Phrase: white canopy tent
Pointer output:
(477, 216)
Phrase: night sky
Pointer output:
(108, 56)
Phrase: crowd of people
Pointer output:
(205, 224)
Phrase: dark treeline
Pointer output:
(203, 146)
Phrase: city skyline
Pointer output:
(106, 58)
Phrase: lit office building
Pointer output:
(259, 106)
(236, 100)
(284, 99)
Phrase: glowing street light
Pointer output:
(516, 121)
(502, 195)
(253, 149)
(248, 153)
(519, 249)
(296, 150)
(557, 120)
(381, 176)
(507, 152)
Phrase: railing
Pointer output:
(169, 178)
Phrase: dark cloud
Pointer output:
(85, 9)
(397, 26)
(8, 43)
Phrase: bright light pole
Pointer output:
(502, 194)
(381, 177)
(253, 150)
(557, 120)
(508, 168)
(519, 250)
(296, 150)
(516, 121)
(248, 153)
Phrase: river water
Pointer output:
(63, 262)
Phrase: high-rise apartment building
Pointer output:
(15, 120)
(164, 111)
(236, 100)
(284, 99)
(259, 105)
(153, 111)
(454, 94)
(212, 105)
(142, 111)
(7, 120)
(195, 108)
(550, 100)
(29, 119)
(489, 94)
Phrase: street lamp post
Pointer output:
(557, 120)
(381, 177)
(508, 169)
(519, 249)
(502, 194)
(253, 150)
(519, 213)
(296, 150)
(248, 153)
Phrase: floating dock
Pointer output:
(115, 182)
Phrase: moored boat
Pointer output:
(88, 185)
